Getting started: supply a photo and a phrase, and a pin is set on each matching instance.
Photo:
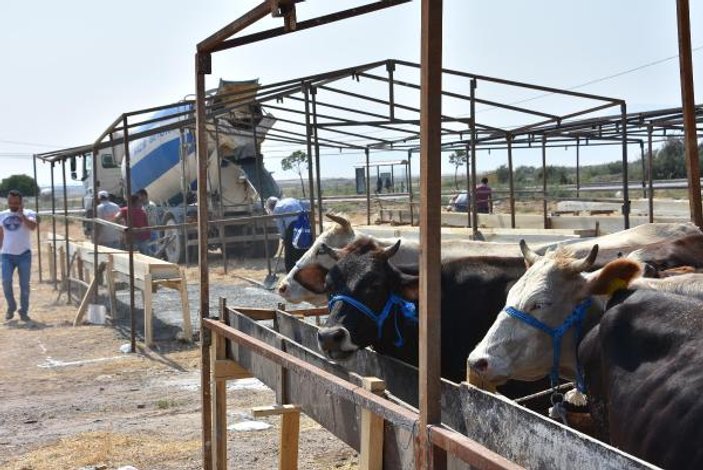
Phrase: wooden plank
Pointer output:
(229, 369)
(371, 455)
(290, 429)
(220, 402)
(111, 288)
(257, 313)
(148, 305)
(185, 305)
(274, 410)
(85, 302)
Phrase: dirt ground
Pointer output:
(69, 399)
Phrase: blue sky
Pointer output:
(70, 68)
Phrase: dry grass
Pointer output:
(108, 449)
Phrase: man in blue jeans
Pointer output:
(16, 225)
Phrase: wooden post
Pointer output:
(371, 455)
(110, 279)
(290, 429)
(187, 327)
(147, 296)
(52, 266)
(219, 418)
(62, 264)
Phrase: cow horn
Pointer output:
(530, 256)
(583, 264)
(391, 250)
(340, 220)
(326, 250)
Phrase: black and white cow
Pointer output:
(641, 356)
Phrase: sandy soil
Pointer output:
(70, 399)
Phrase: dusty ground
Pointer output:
(70, 399)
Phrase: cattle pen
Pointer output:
(395, 415)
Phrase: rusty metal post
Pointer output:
(644, 169)
(689, 117)
(474, 214)
(511, 180)
(65, 232)
(53, 225)
(390, 67)
(36, 209)
(578, 168)
(430, 188)
(202, 67)
(650, 174)
(221, 229)
(368, 188)
(94, 224)
(544, 181)
(308, 142)
(130, 240)
(258, 168)
(313, 92)
(410, 187)
(625, 177)
(469, 157)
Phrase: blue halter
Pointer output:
(407, 310)
(575, 319)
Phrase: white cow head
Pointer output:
(336, 236)
(550, 289)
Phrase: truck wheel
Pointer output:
(175, 244)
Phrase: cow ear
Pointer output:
(391, 250)
(614, 276)
(312, 277)
(345, 223)
(530, 256)
(409, 286)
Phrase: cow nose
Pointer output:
(330, 337)
(479, 365)
(282, 288)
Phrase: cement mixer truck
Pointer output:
(165, 164)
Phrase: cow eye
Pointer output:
(539, 305)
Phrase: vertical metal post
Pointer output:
(65, 231)
(511, 180)
(625, 177)
(36, 209)
(689, 118)
(184, 188)
(221, 215)
(258, 167)
(430, 188)
(544, 181)
(644, 170)
(650, 174)
(53, 225)
(202, 67)
(313, 92)
(578, 168)
(308, 142)
(94, 224)
(469, 157)
(474, 158)
(390, 67)
(408, 185)
(368, 188)
(130, 238)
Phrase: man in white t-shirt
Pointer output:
(16, 225)
(107, 210)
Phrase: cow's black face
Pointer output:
(347, 329)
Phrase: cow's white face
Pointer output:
(550, 290)
(337, 236)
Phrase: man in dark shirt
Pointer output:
(484, 199)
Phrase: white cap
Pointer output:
(271, 203)
(103, 195)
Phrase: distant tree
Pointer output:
(22, 183)
(297, 161)
(458, 158)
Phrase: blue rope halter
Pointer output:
(406, 308)
(575, 319)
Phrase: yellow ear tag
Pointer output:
(616, 285)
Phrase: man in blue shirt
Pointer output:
(285, 226)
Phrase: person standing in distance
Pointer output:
(16, 226)
(139, 219)
(285, 226)
(484, 197)
(107, 210)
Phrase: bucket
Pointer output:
(96, 314)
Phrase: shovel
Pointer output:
(272, 277)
